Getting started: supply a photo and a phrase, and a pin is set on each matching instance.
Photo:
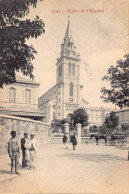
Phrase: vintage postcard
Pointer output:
(58, 131)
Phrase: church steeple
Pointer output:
(68, 36)
(67, 46)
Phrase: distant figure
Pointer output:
(25, 151)
(14, 152)
(66, 140)
(74, 141)
(33, 147)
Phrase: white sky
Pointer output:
(100, 38)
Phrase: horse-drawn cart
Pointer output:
(118, 140)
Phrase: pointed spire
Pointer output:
(68, 35)
(67, 46)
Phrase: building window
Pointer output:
(53, 115)
(27, 96)
(69, 68)
(73, 69)
(12, 95)
(59, 114)
(71, 89)
(59, 99)
(122, 118)
(71, 99)
(60, 70)
(53, 106)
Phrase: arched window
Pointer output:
(69, 68)
(73, 69)
(27, 96)
(71, 89)
(60, 70)
(12, 95)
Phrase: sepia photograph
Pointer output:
(64, 96)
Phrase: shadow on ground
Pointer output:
(123, 148)
(100, 158)
(4, 172)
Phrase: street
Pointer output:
(88, 169)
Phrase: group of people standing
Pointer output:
(67, 140)
(29, 147)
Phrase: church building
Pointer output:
(65, 97)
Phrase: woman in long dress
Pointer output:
(66, 140)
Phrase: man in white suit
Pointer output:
(33, 146)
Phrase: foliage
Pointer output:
(125, 127)
(80, 116)
(93, 129)
(56, 124)
(15, 54)
(118, 77)
(63, 121)
(104, 130)
(70, 121)
(111, 121)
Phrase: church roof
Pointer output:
(25, 80)
(85, 101)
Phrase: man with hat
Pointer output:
(74, 141)
(33, 146)
(14, 152)
(24, 143)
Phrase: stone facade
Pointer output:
(20, 87)
(123, 115)
(21, 125)
(97, 115)
(65, 96)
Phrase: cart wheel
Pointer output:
(120, 142)
(125, 142)
(112, 142)
(108, 142)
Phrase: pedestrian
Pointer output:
(25, 150)
(14, 152)
(74, 141)
(66, 140)
(33, 147)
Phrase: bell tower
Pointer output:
(68, 75)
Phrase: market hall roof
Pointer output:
(20, 79)
(22, 111)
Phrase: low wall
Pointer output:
(21, 125)
(59, 140)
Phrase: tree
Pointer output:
(56, 124)
(118, 77)
(15, 54)
(80, 116)
(70, 121)
(111, 121)
(104, 130)
(125, 127)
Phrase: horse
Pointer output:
(97, 137)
